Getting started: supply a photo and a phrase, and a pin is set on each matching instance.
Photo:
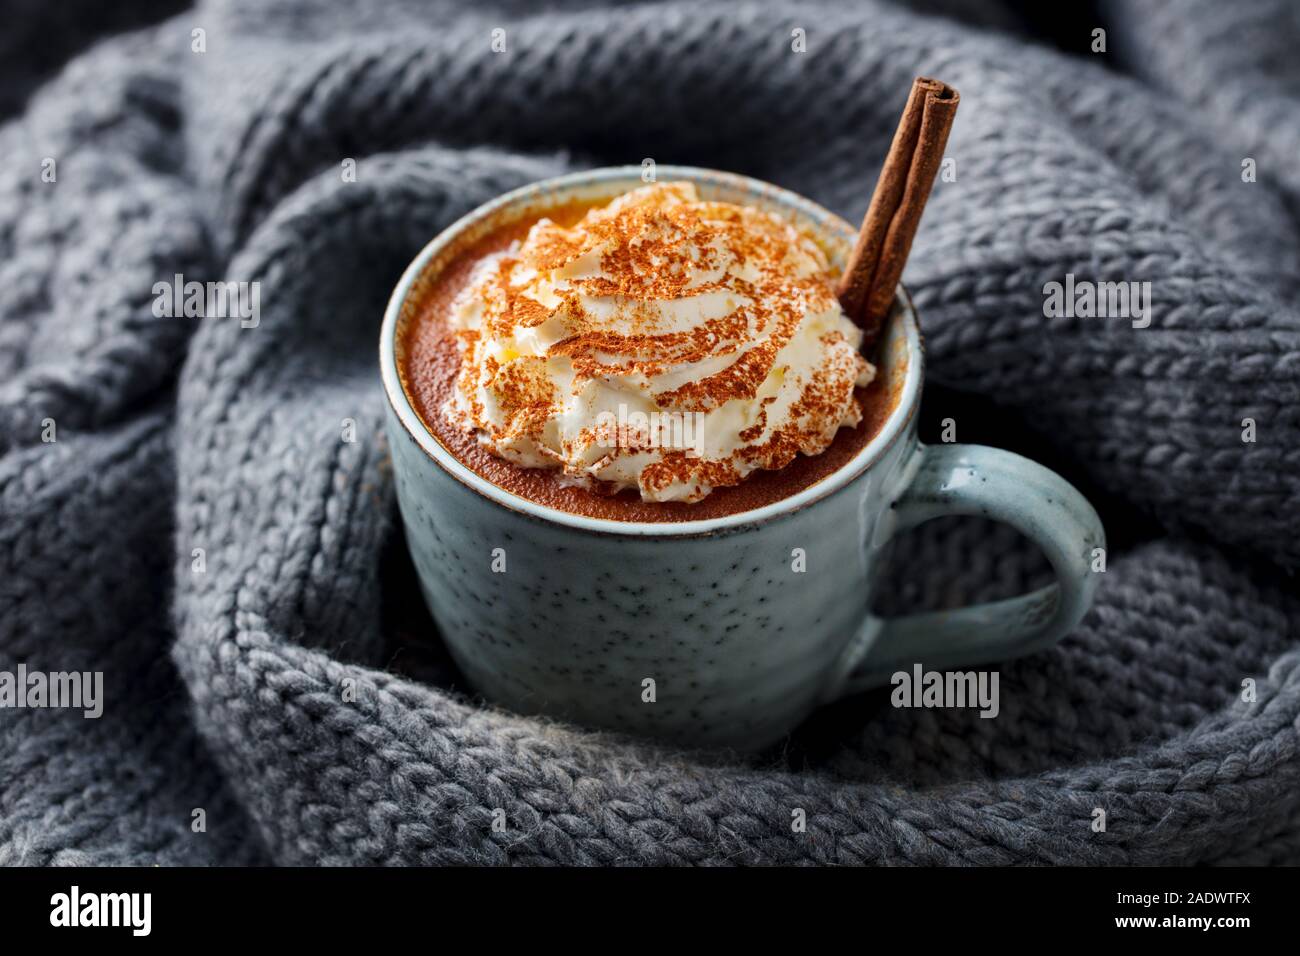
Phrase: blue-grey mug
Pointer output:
(727, 631)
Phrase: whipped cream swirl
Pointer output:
(662, 343)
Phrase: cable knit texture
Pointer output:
(224, 686)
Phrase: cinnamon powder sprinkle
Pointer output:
(687, 305)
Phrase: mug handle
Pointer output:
(997, 484)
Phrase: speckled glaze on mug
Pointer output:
(741, 645)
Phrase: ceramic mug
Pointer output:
(727, 631)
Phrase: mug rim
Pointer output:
(827, 222)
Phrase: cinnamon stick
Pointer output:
(866, 289)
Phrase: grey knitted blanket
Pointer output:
(179, 512)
